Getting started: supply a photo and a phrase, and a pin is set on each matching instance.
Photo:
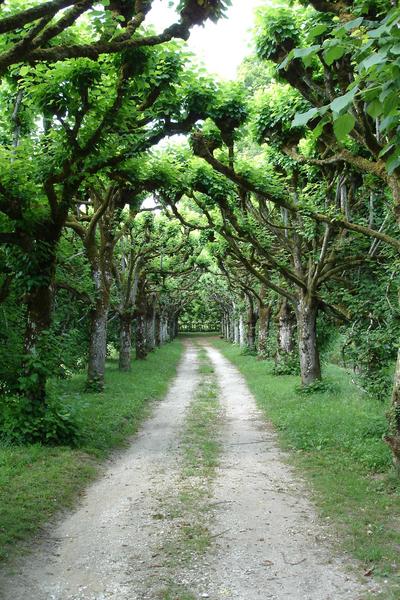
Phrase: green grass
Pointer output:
(36, 481)
(176, 592)
(336, 438)
(200, 441)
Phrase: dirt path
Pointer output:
(103, 550)
(267, 543)
(273, 546)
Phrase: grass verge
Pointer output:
(189, 510)
(336, 439)
(36, 481)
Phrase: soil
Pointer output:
(267, 540)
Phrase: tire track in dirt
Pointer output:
(271, 545)
(104, 549)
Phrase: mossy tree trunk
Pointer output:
(125, 342)
(102, 279)
(310, 367)
(286, 329)
(264, 320)
(39, 313)
(140, 330)
(251, 324)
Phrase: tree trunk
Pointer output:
(237, 335)
(242, 341)
(39, 316)
(164, 330)
(140, 338)
(226, 326)
(125, 342)
(176, 327)
(231, 334)
(286, 325)
(263, 329)
(102, 279)
(158, 325)
(97, 346)
(150, 326)
(251, 326)
(171, 328)
(310, 367)
(393, 440)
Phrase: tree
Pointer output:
(347, 76)
(75, 120)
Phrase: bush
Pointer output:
(287, 365)
(51, 423)
(247, 351)
(319, 386)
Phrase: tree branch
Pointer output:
(48, 9)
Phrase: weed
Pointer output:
(52, 423)
(317, 387)
(175, 592)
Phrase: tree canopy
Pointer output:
(276, 214)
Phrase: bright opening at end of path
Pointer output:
(221, 46)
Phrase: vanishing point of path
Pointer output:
(265, 541)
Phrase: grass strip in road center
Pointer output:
(190, 506)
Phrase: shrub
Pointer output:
(51, 423)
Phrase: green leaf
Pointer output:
(342, 102)
(318, 30)
(375, 108)
(386, 149)
(286, 61)
(333, 53)
(24, 70)
(306, 54)
(388, 123)
(301, 119)
(376, 58)
(390, 103)
(301, 52)
(342, 30)
(353, 24)
(394, 162)
(319, 128)
(343, 125)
